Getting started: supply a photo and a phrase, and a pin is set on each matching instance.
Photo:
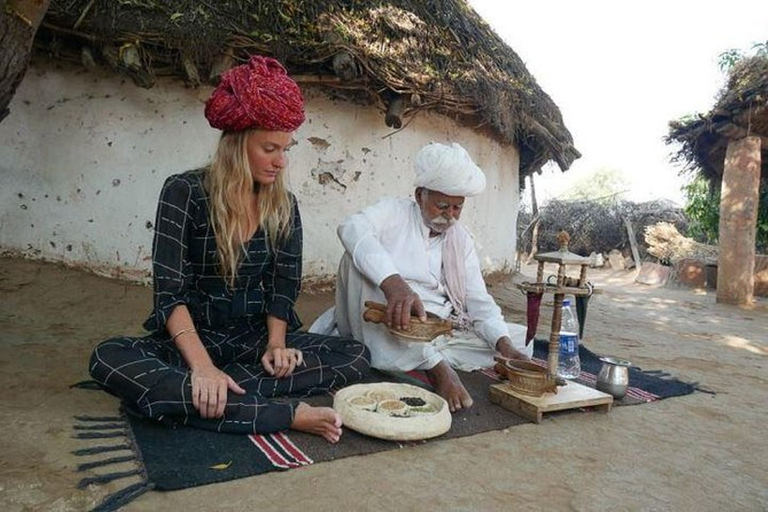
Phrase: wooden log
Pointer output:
(220, 64)
(193, 76)
(19, 21)
(738, 221)
(632, 242)
(345, 67)
(394, 117)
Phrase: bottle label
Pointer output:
(569, 344)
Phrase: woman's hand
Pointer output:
(209, 391)
(281, 361)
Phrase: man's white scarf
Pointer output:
(455, 277)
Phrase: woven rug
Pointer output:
(176, 458)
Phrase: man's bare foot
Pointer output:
(449, 386)
(321, 421)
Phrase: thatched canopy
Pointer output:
(436, 55)
(742, 109)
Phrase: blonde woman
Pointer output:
(227, 251)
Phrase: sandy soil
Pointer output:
(699, 452)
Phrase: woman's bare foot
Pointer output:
(448, 385)
(321, 421)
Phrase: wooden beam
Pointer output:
(734, 131)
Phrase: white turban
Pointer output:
(448, 169)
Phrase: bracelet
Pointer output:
(183, 331)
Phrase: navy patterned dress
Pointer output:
(149, 373)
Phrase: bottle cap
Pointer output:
(566, 302)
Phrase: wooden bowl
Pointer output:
(527, 378)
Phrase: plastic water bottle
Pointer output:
(569, 364)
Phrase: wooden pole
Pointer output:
(537, 221)
(553, 357)
(632, 242)
(738, 221)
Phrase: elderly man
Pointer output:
(414, 256)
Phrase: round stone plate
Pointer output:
(383, 426)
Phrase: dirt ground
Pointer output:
(700, 452)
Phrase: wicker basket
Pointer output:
(383, 426)
(527, 378)
(425, 330)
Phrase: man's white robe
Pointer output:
(388, 238)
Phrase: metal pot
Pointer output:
(614, 377)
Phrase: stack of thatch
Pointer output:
(427, 54)
(666, 243)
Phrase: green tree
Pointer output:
(602, 184)
(731, 57)
(703, 210)
(702, 206)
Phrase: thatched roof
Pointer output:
(741, 109)
(436, 55)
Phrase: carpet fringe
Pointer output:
(108, 477)
(101, 449)
(99, 435)
(86, 384)
(121, 498)
(100, 426)
(98, 418)
(105, 462)
(105, 427)
(703, 390)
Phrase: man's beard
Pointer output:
(440, 224)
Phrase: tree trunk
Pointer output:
(19, 21)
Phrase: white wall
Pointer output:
(84, 155)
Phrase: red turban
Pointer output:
(258, 94)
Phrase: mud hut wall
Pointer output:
(84, 156)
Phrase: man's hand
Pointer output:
(209, 391)
(401, 302)
(505, 348)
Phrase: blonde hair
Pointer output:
(230, 188)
